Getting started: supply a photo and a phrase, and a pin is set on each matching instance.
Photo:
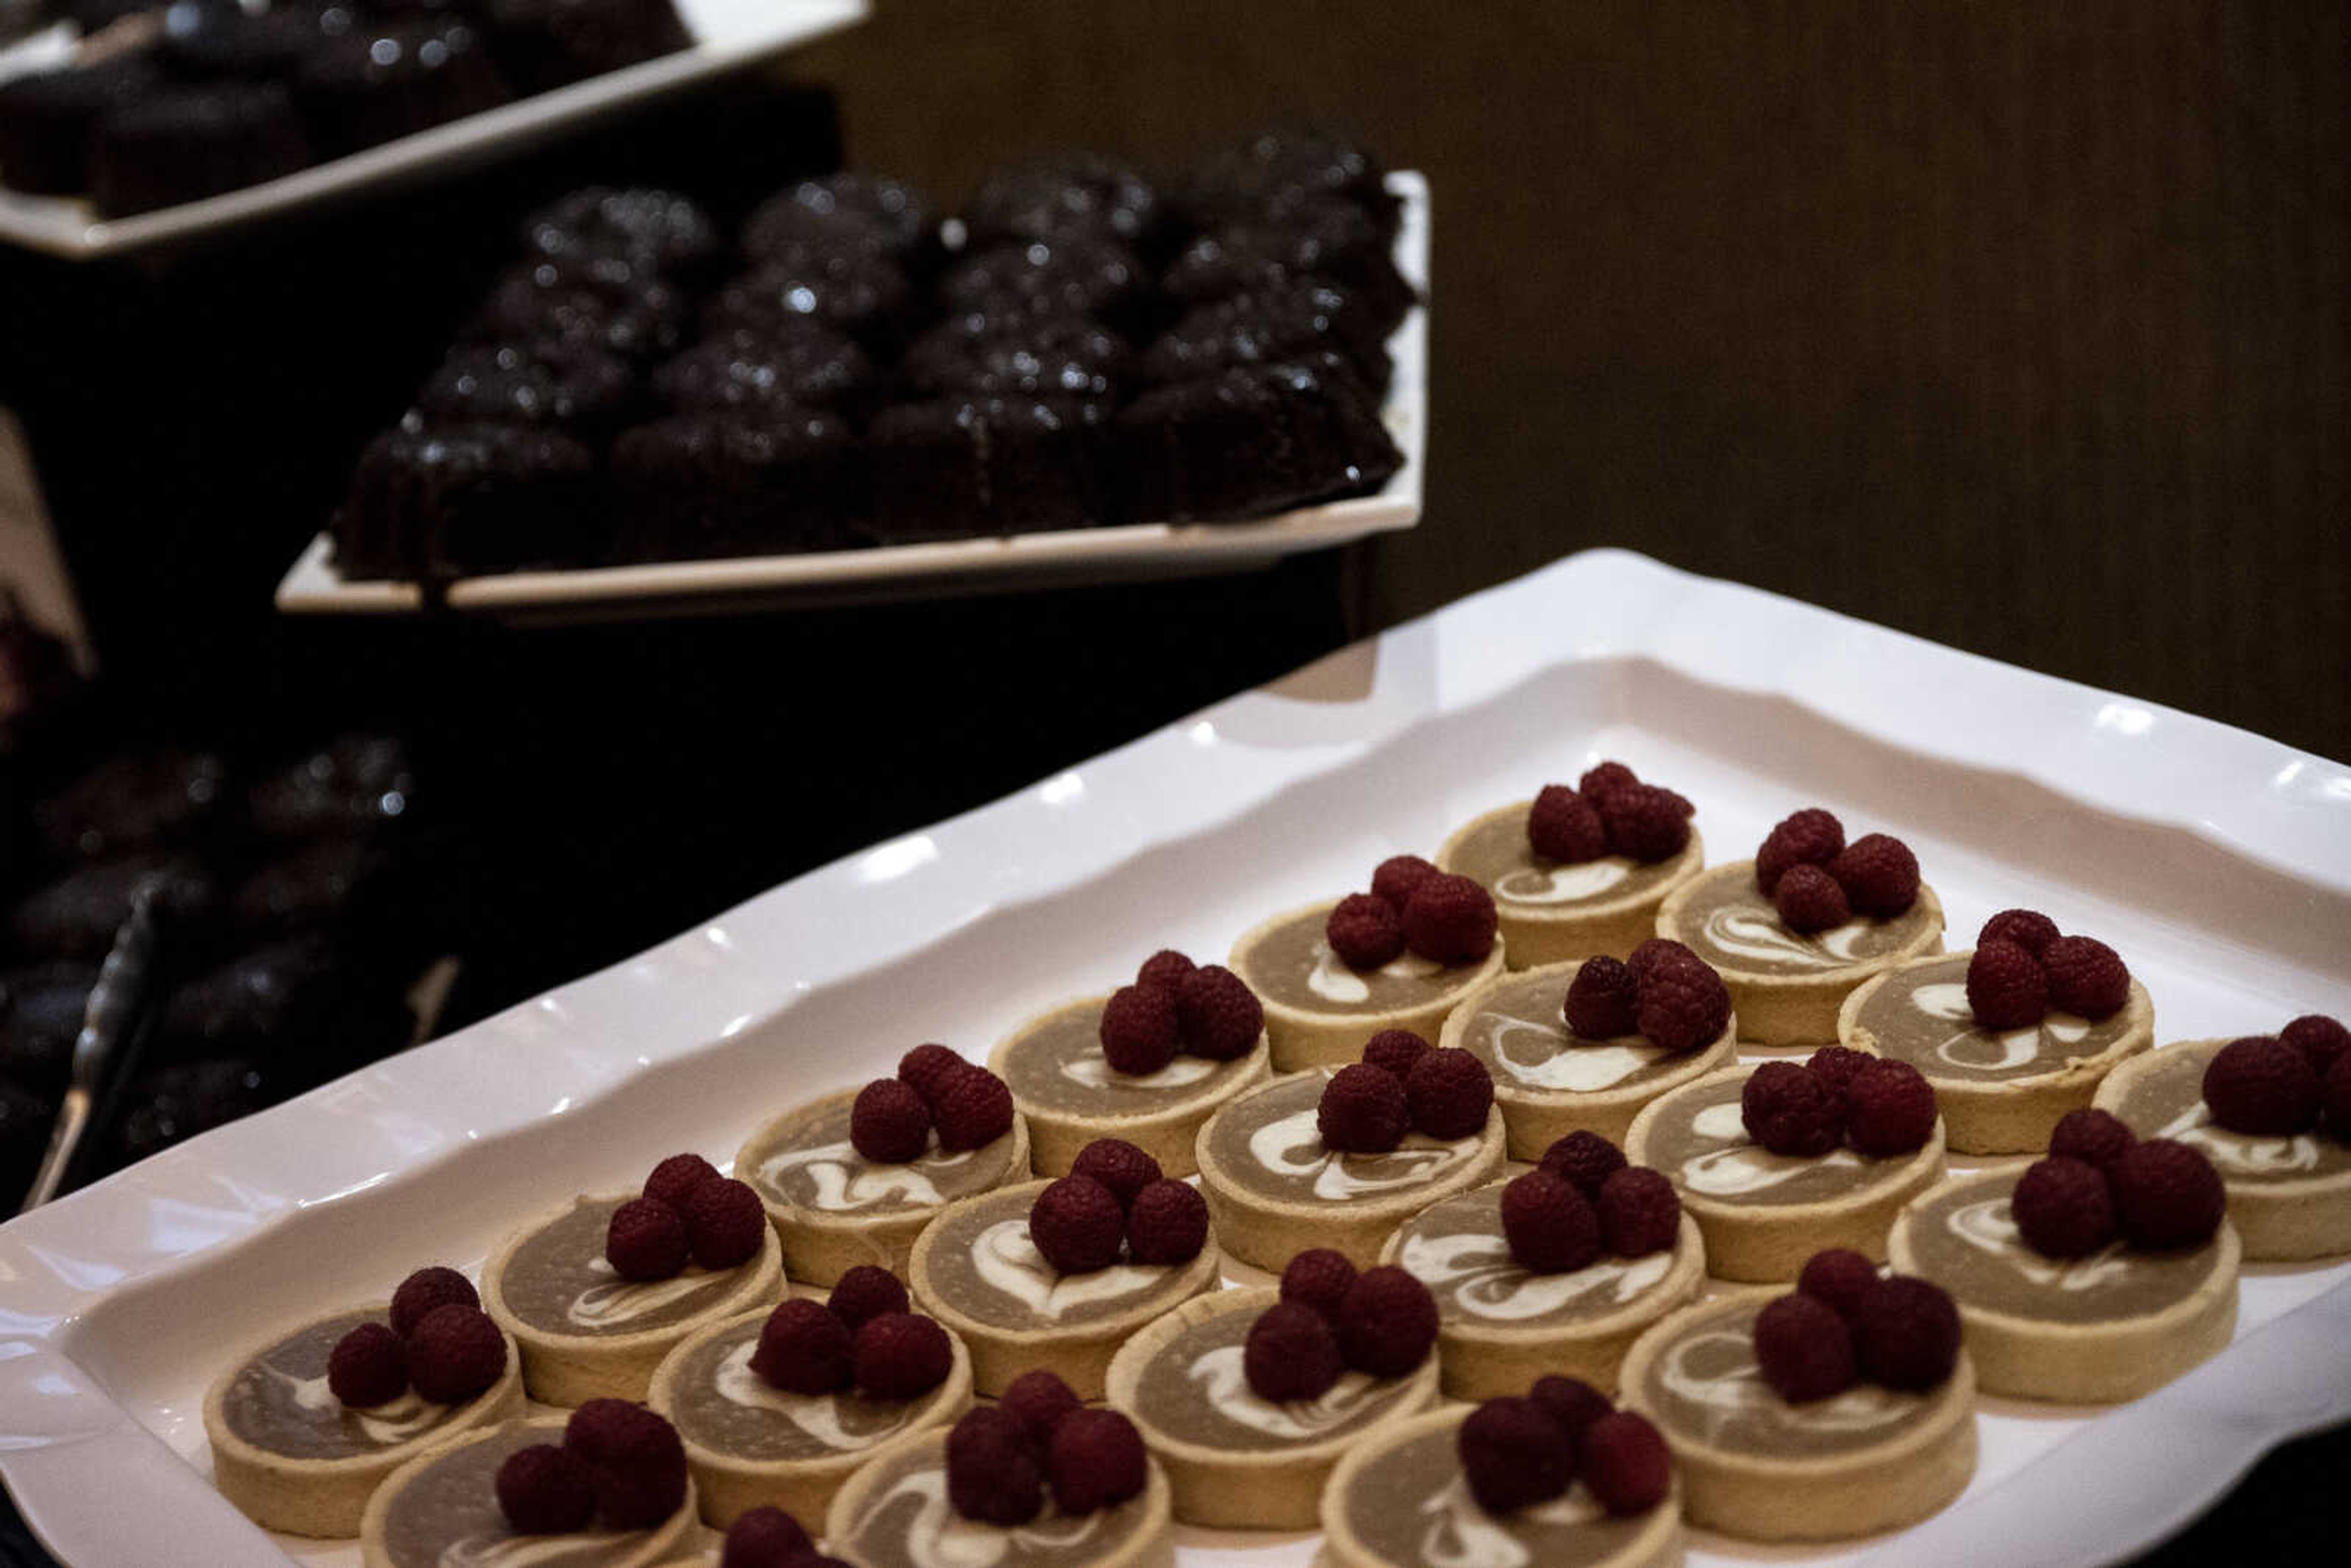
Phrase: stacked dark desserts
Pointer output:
(166, 101)
(1077, 349)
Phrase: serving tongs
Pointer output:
(103, 1050)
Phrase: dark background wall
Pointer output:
(2016, 325)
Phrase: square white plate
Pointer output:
(728, 34)
(2217, 863)
(313, 586)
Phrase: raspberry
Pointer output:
(425, 1289)
(1387, 1323)
(1318, 1277)
(1096, 1461)
(1452, 920)
(646, 1239)
(1809, 837)
(2028, 928)
(1575, 1403)
(1907, 1332)
(1550, 1227)
(1880, 875)
(1118, 1166)
(1139, 1029)
(902, 1355)
(1077, 1223)
(2098, 1137)
(1513, 1454)
(766, 1537)
(1626, 1463)
(2007, 987)
(677, 1175)
(2337, 1098)
(1584, 1160)
(2166, 1194)
(926, 1068)
(1604, 779)
(2262, 1086)
(2062, 1207)
(1398, 878)
(2086, 978)
(1603, 1000)
(456, 1353)
(543, 1490)
(1166, 968)
(1169, 1224)
(1683, 1005)
(1835, 1065)
(1804, 1349)
(995, 1473)
(635, 1459)
(1789, 1111)
(1659, 953)
(1810, 900)
(865, 1291)
(1393, 1052)
(1038, 1400)
(1364, 931)
(1639, 1212)
(1890, 1108)
(1647, 823)
(972, 1108)
(1221, 1016)
(889, 1124)
(725, 1223)
(1449, 1093)
(1290, 1354)
(1562, 825)
(1362, 1111)
(1839, 1275)
(368, 1367)
(2319, 1037)
(805, 1349)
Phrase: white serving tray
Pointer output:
(728, 34)
(313, 586)
(2219, 862)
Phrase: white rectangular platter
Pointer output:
(2217, 863)
(313, 586)
(728, 34)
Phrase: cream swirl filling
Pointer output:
(1486, 1281)
(512, 1552)
(1292, 1146)
(1946, 1002)
(844, 1183)
(1741, 1391)
(818, 1415)
(1333, 981)
(618, 1300)
(1561, 883)
(938, 1537)
(1460, 1534)
(1748, 1168)
(1749, 933)
(394, 1421)
(1224, 1384)
(1989, 1226)
(2242, 1154)
(1570, 1064)
(1093, 1069)
(1007, 1259)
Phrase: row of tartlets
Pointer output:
(1564, 988)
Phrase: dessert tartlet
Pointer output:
(1796, 1418)
(777, 1409)
(1529, 1279)
(1774, 1163)
(1791, 956)
(1556, 1477)
(1248, 1401)
(1553, 1077)
(1339, 1157)
(1082, 1492)
(597, 1291)
(835, 1206)
(2011, 1036)
(2078, 1283)
(2285, 1162)
(306, 1427)
(1332, 975)
(1576, 873)
(1059, 1274)
(608, 1488)
(1147, 1064)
